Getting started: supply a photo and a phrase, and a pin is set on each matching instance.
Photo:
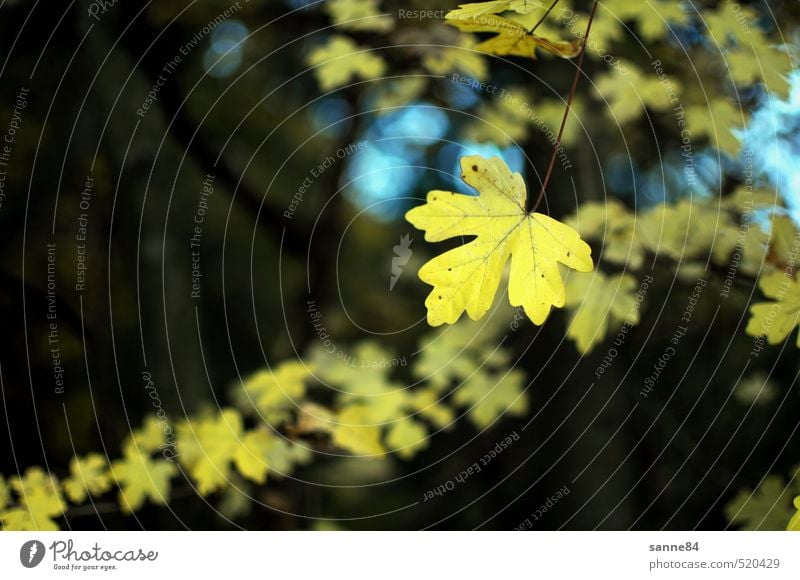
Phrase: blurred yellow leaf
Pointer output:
(40, 501)
(355, 433)
(262, 452)
(341, 60)
(718, 121)
(360, 15)
(653, 18)
(463, 58)
(139, 477)
(628, 91)
(614, 226)
(776, 319)
(600, 304)
(87, 475)
(207, 447)
(487, 397)
(277, 392)
(395, 93)
(406, 437)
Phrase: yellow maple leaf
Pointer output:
(87, 476)
(466, 278)
(512, 38)
(341, 59)
(601, 304)
(776, 319)
(140, 477)
(362, 15)
(497, 6)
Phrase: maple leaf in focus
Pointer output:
(466, 278)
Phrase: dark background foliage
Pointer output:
(670, 460)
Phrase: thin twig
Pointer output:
(544, 16)
(566, 111)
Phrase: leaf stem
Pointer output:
(544, 16)
(557, 145)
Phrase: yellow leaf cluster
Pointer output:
(39, 502)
